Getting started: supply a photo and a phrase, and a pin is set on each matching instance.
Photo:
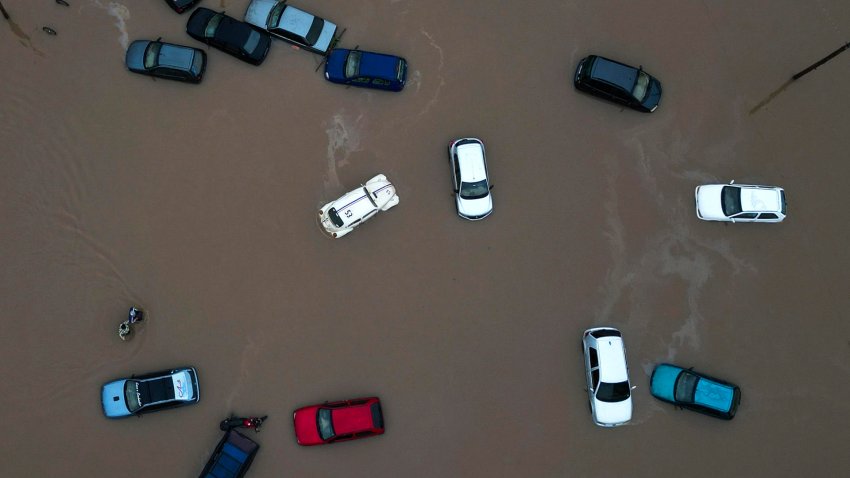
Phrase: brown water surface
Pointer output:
(198, 203)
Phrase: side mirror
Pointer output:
(491, 187)
(456, 191)
(634, 387)
(732, 182)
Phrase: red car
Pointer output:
(338, 421)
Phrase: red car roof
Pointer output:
(352, 419)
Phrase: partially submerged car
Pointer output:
(366, 69)
(232, 456)
(150, 392)
(292, 24)
(618, 82)
(181, 6)
(695, 391)
(608, 387)
(166, 60)
(740, 203)
(229, 35)
(340, 217)
(333, 422)
(471, 179)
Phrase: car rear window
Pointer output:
(377, 416)
(606, 333)
(613, 392)
(315, 30)
(400, 70)
(326, 428)
(335, 219)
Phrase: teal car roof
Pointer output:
(714, 395)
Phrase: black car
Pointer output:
(165, 60)
(617, 82)
(181, 6)
(232, 456)
(229, 35)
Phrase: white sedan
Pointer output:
(740, 203)
(340, 217)
(608, 386)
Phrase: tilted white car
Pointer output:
(340, 217)
(608, 386)
(740, 203)
(470, 178)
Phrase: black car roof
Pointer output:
(232, 31)
(156, 390)
(614, 72)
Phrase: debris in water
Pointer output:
(63, 2)
(49, 30)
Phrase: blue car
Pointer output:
(366, 69)
(695, 391)
(150, 392)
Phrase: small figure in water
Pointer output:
(135, 316)
(49, 30)
(237, 422)
(63, 3)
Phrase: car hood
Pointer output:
(613, 413)
(663, 381)
(306, 428)
(135, 57)
(475, 208)
(258, 12)
(113, 408)
(653, 97)
(708, 201)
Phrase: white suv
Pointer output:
(340, 217)
(608, 386)
(471, 182)
(740, 203)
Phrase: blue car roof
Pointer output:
(175, 56)
(378, 65)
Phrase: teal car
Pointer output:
(695, 391)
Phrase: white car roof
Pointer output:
(357, 203)
(296, 21)
(757, 199)
(471, 161)
(612, 360)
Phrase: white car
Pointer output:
(608, 386)
(291, 24)
(470, 178)
(340, 217)
(740, 203)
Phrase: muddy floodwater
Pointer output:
(198, 203)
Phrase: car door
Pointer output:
(768, 217)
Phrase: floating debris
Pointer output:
(63, 2)
(49, 30)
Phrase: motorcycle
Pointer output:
(240, 422)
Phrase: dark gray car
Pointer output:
(165, 60)
(618, 82)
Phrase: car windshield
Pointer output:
(212, 26)
(639, 92)
(352, 64)
(335, 219)
(476, 190)
(132, 395)
(152, 54)
(252, 42)
(326, 428)
(613, 392)
(686, 386)
(730, 199)
(315, 30)
(274, 15)
(400, 69)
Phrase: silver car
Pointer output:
(292, 24)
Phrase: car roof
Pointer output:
(757, 199)
(612, 360)
(176, 56)
(614, 72)
(296, 21)
(470, 158)
(378, 65)
(352, 419)
(357, 202)
(233, 31)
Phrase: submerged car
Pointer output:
(292, 24)
(229, 35)
(740, 203)
(366, 69)
(608, 386)
(618, 82)
(471, 180)
(150, 392)
(695, 391)
(181, 6)
(340, 217)
(166, 60)
(333, 422)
